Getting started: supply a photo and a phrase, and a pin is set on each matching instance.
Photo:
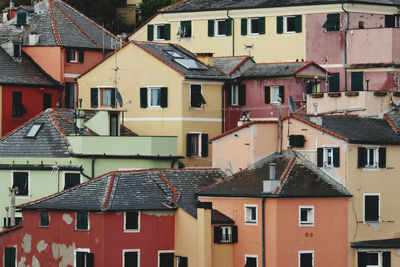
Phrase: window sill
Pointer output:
(23, 197)
(370, 168)
(196, 108)
(290, 32)
(154, 108)
(41, 226)
(131, 231)
(251, 223)
(82, 230)
(306, 224)
(220, 35)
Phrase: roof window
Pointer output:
(34, 130)
(174, 54)
(190, 64)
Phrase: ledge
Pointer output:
(334, 94)
(352, 93)
(380, 93)
(317, 95)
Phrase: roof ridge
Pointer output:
(288, 169)
(220, 182)
(53, 22)
(238, 65)
(55, 122)
(176, 193)
(110, 188)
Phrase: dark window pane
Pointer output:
(372, 258)
(290, 24)
(195, 96)
(221, 27)
(304, 215)
(82, 220)
(46, 101)
(131, 259)
(254, 26)
(166, 259)
(114, 124)
(72, 179)
(10, 254)
(132, 220)
(44, 218)
(306, 260)
(21, 181)
(251, 262)
(69, 95)
(371, 208)
(17, 107)
(80, 259)
(161, 32)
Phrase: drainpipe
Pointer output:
(233, 32)
(345, 44)
(225, 86)
(93, 159)
(263, 230)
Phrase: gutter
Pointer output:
(345, 44)
(38, 167)
(233, 32)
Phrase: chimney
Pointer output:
(270, 185)
(204, 242)
(206, 58)
(33, 39)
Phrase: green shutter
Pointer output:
(362, 157)
(189, 145)
(68, 54)
(297, 23)
(244, 26)
(334, 82)
(167, 32)
(336, 157)
(332, 22)
(382, 157)
(279, 25)
(320, 157)
(150, 32)
(234, 234)
(267, 94)
(211, 28)
(217, 234)
(94, 97)
(228, 27)
(357, 81)
(113, 97)
(81, 55)
(204, 145)
(164, 97)
(143, 97)
(282, 93)
(242, 95)
(261, 25)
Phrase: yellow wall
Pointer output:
(186, 237)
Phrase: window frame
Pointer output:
(101, 90)
(306, 252)
(310, 213)
(285, 24)
(326, 157)
(274, 94)
(160, 28)
(190, 96)
(76, 221)
(16, 255)
(181, 27)
(379, 207)
(48, 219)
(85, 250)
(163, 251)
(28, 195)
(131, 250)
(337, 23)
(66, 172)
(375, 157)
(249, 24)
(75, 58)
(216, 28)
(250, 221)
(234, 93)
(149, 97)
(132, 230)
(198, 136)
(250, 256)
(379, 252)
(229, 239)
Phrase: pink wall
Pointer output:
(50, 59)
(91, 58)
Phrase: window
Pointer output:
(103, 97)
(374, 259)
(44, 218)
(114, 124)
(71, 179)
(253, 26)
(306, 215)
(18, 221)
(273, 93)
(74, 55)
(225, 234)
(10, 256)
(132, 221)
(237, 95)
(222, 27)
(328, 157)
(70, 95)
(186, 29)
(371, 207)
(334, 82)
(306, 258)
(371, 157)
(197, 145)
(83, 258)
(392, 21)
(251, 261)
(17, 108)
(21, 180)
(163, 31)
(288, 24)
(332, 23)
(33, 131)
(17, 50)
(106, 97)
(131, 258)
(312, 87)
(166, 259)
(357, 81)
(250, 214)
(182, 261)
(154, 97)
(82, 220)
(196, 98)
(296, 140)
(234, 95)
(46, 101)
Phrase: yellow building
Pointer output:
(166, 92)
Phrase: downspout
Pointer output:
(345, 44)
(223, 107)
(93, 159)
(263, 230)
(233, 32)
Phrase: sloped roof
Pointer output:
(159, 51)
(22, 72)
(59, 24)
(381, 243)
(299, 178)
(208, 5)
(229, 64)
(393, 118)
(51, 139)
(273, 69)
(153, 189)
(354, 129)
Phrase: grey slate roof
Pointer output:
(303, 179)
(136, 190)
(73, 28)
(228, 64)
(382, 243)
(270, 70)
(158, 50)
(22, 72)
(208, 5)
(393, 117)
(356, 130)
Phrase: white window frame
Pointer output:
(379, 207)
(376, 158)
(16, 254)
(149, 88)
(132, 230)
(76, 222)
(99, 96)
(76, 56)
(274, 94)
(216, 28)
(285, 24)
(306, 252)
(326, 157)
(249, 21)
(227, 239)
(310, 213)
(251, 256)
(80, 250)
(397, 21)
(158, 27)
(198, 144)
(29, 184)
(234, 92)
(190, 95)
(63, 180)
(163, 251)
(250, 221)
(40, 219)
(380, 256)
(130, 250)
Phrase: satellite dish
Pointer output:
(119, 99)
(291, 102)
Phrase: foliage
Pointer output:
(149, 7)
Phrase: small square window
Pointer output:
(250, 214)
(71, 179)
(21, 180)
(306, 258)
(226, 236)
(160, 32)
(251, 261)
(290, 24)
(44, 218)
(332, 23)
(106, 97)
(132, 221)
(82, 220)
(72, 55)
(154, 97)
(220, 27)
(306, 215)
(165, 259)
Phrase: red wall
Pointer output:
(105, 238)
(32, 99)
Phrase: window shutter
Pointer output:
(389, 21)
(167, 32)
(382, 157)
(217, 234)
(243, 23)
(94, 97)
(371, 207)
(89, 260)
(309, 88)
(211, 28)
(282, 93)
(361, 258)
(332, 22)
(386, 259)
(143, 97)
(234, 234)
(229, 94)
(297, 23)
(164, 97)
(336, 157)
(68, 54)
(183, 262)
(242, 94)
(81, 55)
(357, 81)
(228, 27)
(113, 97)
(204, 145)
(202, 100)
(320, 157)
(10, 256)
(334, 82)
(150, 32)
(279, 25)
(362, 159)
(188, 145)
(261, 25)
(267, 97)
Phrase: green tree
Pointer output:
(150, 7)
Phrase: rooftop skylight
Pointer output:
(34, 130)
(174, 54)
(190, 64)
